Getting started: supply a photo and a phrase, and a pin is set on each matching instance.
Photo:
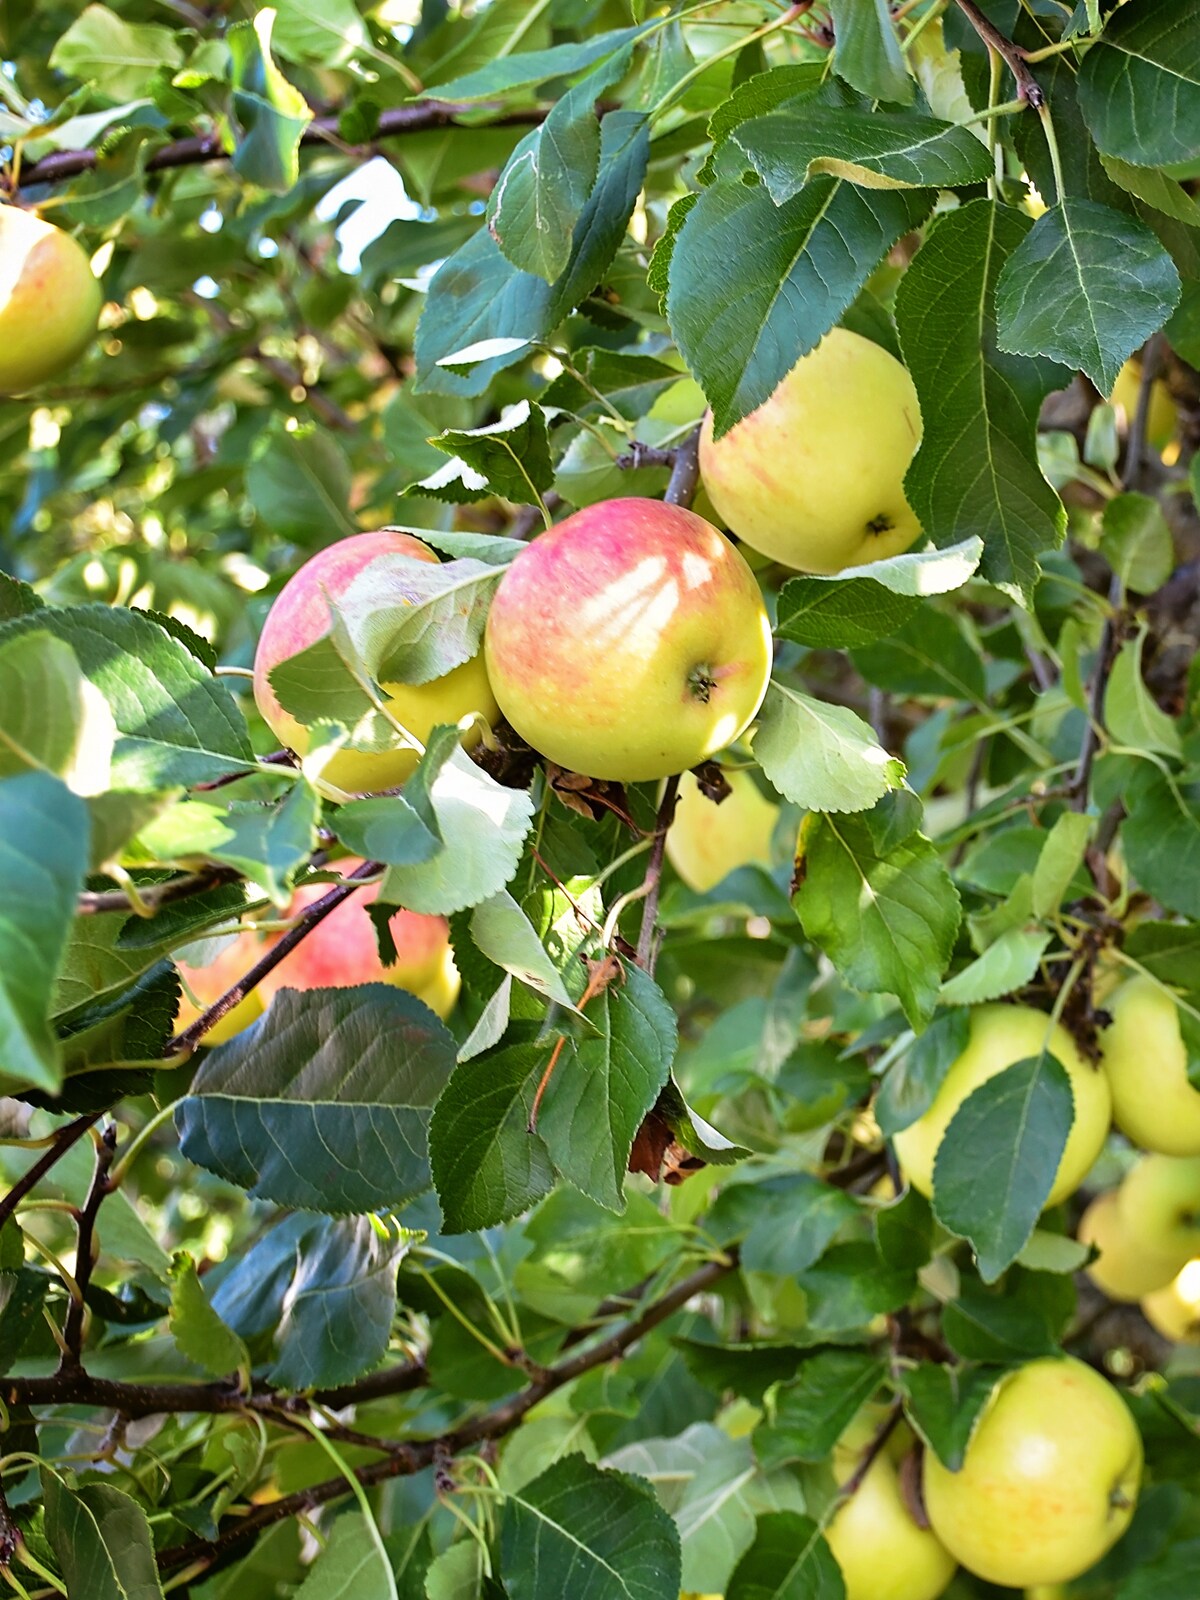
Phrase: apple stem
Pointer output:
(872, 1452)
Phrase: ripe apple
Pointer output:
(629, 642)
(1000, 1036)
(882, 1552)
(1129, 1265)
(1050, 1478)
(300, 616)
(1175, 1311)
(208, 982)
(342, 951)
(49, 300)
(708, 841)
(815, 477)
(1163, 416)
(1146, 1063)
(1159, 1205)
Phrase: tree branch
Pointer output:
(653, 878)
(61, 165)
(408, 1458)
(184, 1043)
(85, 1256)
(685, 474)
(96, 902)
(63, 1140)
(873, 1451)
(1028, 88)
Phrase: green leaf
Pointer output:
(785, 1224)
(22, 1296)
(904, 1231)
(52, 717)
(876, 149)
(272, 113)
(176, 723)
(591, 1534)
(267, 842)
(512, 455)
(529, 68)
(998, 1159)
(1137, 542)
(753, 286)
(1060, 859)
(300, 486)
(1007, 964)
(117, 56)
(1139, 85)
(821, 757)
(1130, 714)
(323, 32)
(325, 1102)
(197, 1330)
(102, 1542)
(886, 914)
(984, 1325)
(1174, 1576)
(928, 656)
(123, 1030)
(1085, 287)
(867, 53)
(603, 1087)
(912, 1082)
(851, 1285)
(352, 1565)
(1169, 950)
(1054, 1252)
(808, 1415)
(387, 828)
(506, 936)
(628, 380)
(881, 596)
(789, 1560)
(43, 857)
(1155, 188)
(976, 471)
(487, 1166)
(943, 1404)
(1161, 840)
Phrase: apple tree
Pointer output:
(722, 481)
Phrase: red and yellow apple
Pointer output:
(49, 300)
(1146, 1062)
(301, 615)
(1175, 1311)
(707, 841)
(815, 477)
(342, 950)
(629, 642)
(1049, 1482)
(202, 985)
(881, 1551)
(1000, 1036)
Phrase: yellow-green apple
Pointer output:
(204, 984)
(629, 642)
(707, 841)
(1146, 1063)
(49, 300)
(1128, 1266)
(1050, 1478)
(342, 950)
(882, 1552)
(1163, 415)
(1159, 1205)
(815, 477)
(1175, 1311)
(1000, 1036)
(299, 617)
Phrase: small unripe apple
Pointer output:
(202, 985)
(1163, 415)
(708, 841)
(299, 617)
(1159, 1205)
(1175, 1311)
(882, 1552)
(1146, 1062)
(629, 642)
(1049, 1482)
(815, 477)
(1129, 1265)
(1000, 1036)
(49, 300)
(342, 950)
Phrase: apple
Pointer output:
(49, 300)
(1175, 1311)
(1146, 1063)
(629, 642)
(882, 1552)
(1163, 416)
(1050, 1478)
(299, 617)
(1159, 1205)
(342, 950)
(815, 477)
(208, 981)
(708, 841)
(1128, 1266)
(1000, 1036)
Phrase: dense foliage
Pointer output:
(363, 1302)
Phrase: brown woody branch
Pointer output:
(85, 1256)
(61, 165)
(1028, 88)
(63, 1140)
(96, 902)
(653, 878)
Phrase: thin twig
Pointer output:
(873, 1451)
(653, 879)
(685, 474)
(63, 1140)
(645, 455)
(98, 902)
(1028, 88)
(85, 1256)
(184, 1043)
(10, 1534)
